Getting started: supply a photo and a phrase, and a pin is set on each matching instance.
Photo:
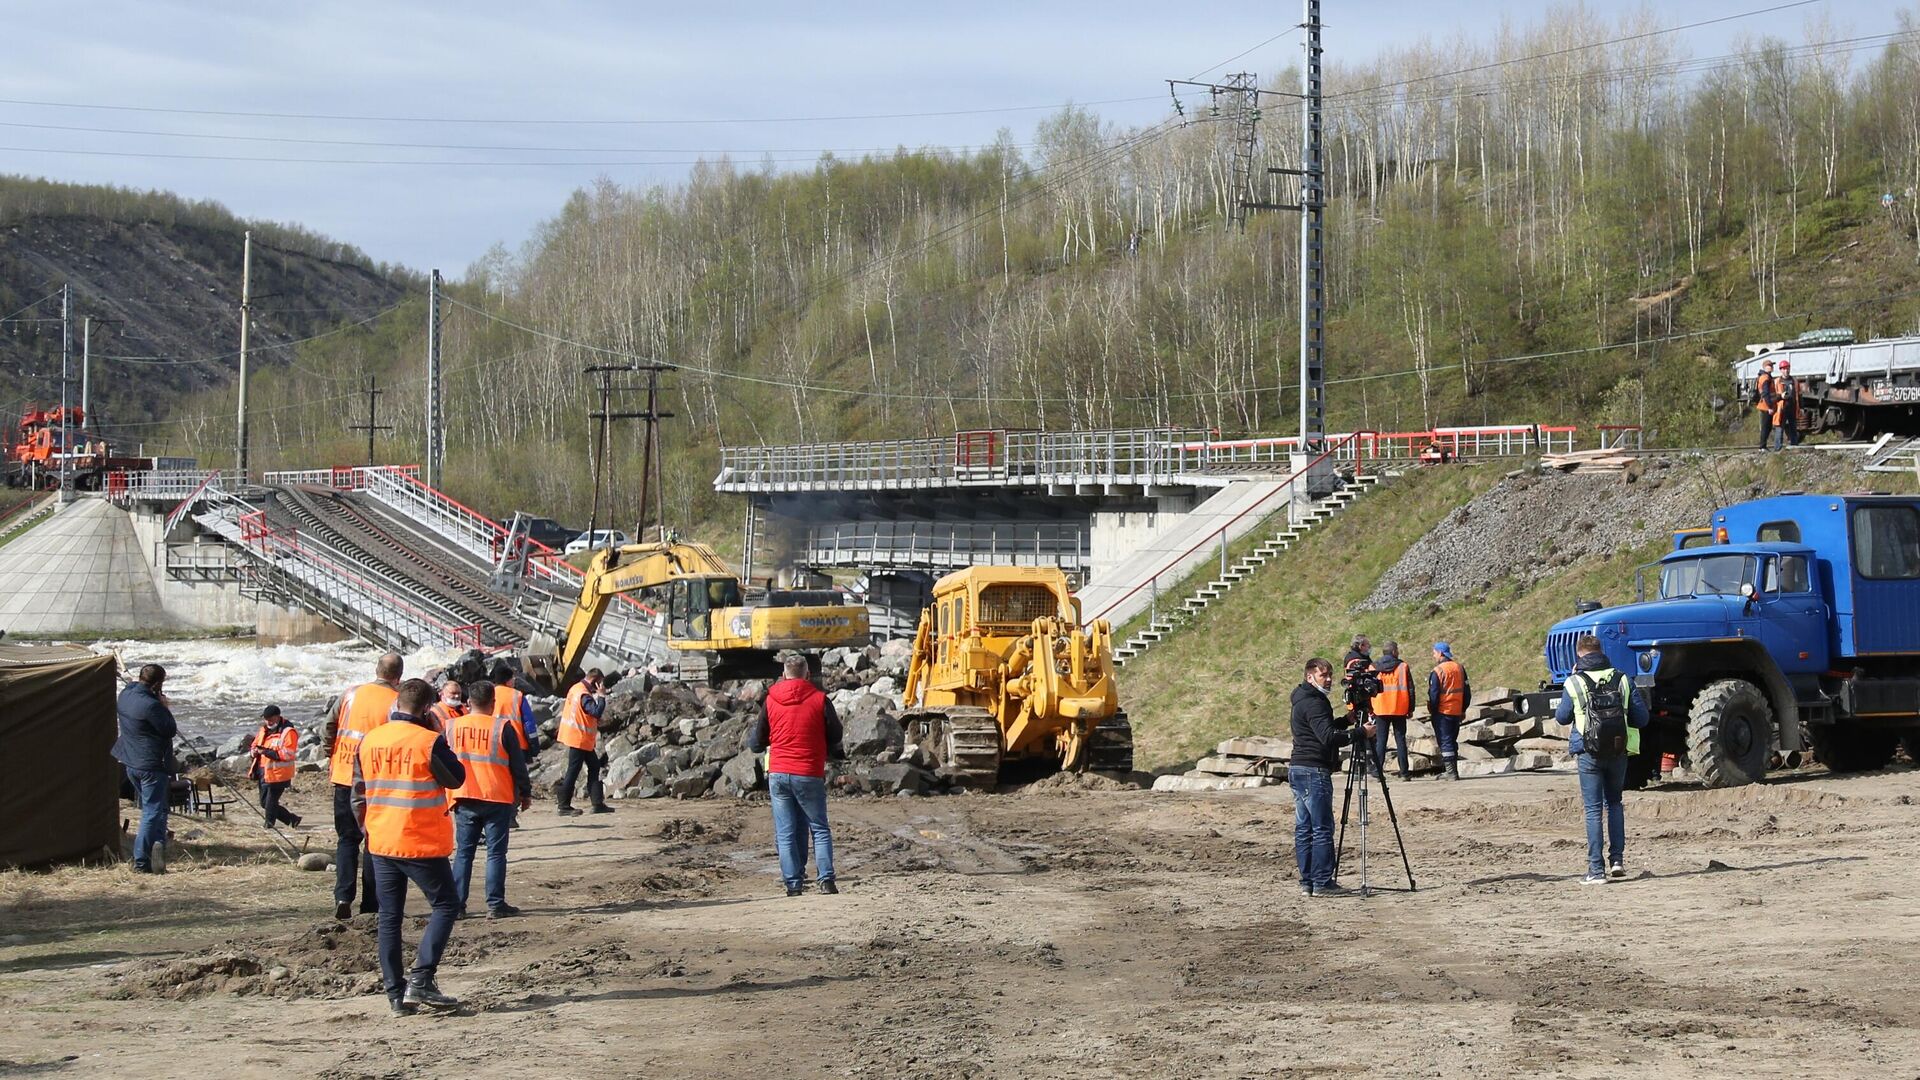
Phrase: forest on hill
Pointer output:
(1572, 221)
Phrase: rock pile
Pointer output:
(1493, 740)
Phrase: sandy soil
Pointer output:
(1052, 932)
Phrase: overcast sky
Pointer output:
(505, 74)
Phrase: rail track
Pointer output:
(428, 576)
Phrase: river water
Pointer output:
(218, 687)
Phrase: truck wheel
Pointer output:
(1846, 749)
(1729, 734)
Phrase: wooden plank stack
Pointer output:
(1588, 461)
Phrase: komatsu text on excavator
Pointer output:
(715, 635)
(1004, 671)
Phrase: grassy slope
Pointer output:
(1231, 671)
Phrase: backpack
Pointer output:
(1605, 733)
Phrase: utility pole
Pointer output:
(652, 488)
(1241, 97)
(86, 369)
(373, 424)
(246, 317)
(66, 424)
(436, 419)
(1313, 294)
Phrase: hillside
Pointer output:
(1542, 229)
(1464, 555)
(161, 279)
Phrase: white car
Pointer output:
(597, 538)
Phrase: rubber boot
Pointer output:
(1453, 771)
(563, 801)
(597, 795)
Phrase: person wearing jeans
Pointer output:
(798, 729)
(145, 748)
(483, 805)
(1603, 781)
(800, 812)
(1317, 739)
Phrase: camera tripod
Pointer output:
(1359, 767)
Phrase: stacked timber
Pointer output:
(1588, 461)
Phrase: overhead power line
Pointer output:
(1244, 52)
(567, 121)
(1576, 48)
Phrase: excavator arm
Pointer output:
(616, 571)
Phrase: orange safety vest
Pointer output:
(578, 729)
(362, 709)
(443, 715)
(1452, 699)
(406, 807)
(480, 744)
(1396, 692)
(282, 744)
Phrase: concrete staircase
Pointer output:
(1165, 622)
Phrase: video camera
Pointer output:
(1362, 683)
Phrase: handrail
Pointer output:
(23, 506)
(1285, 486)
(180, 511)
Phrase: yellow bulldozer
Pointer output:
(713, 632)
(1004, 672)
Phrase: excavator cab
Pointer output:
(692, 602)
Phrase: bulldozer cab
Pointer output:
(998, 604)
(694, 602)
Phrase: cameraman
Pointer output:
(1317, 738)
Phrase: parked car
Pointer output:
(549, 532)
(597, 538)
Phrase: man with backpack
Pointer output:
(1606, 716)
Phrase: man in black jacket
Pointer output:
(145, 747)
(1317, 738)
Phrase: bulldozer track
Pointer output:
(1111, 749)
(965, 741)
(354, 531)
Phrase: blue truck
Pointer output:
(1795, 625)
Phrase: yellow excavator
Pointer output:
(1004, 671)
(716, 636)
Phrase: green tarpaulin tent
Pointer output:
(59, 784)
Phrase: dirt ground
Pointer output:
(1056, 931)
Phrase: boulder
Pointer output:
(899, 777)
(235, 746)
(1256, 746)
(1210, 783)
(630, 768)
(868, 727)
(884, 686)
(743, 771)
(895, 656)
(693, 783)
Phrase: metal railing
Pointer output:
(126, 487)
(1139, 456)
(932, 544)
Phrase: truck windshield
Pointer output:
(1713, 575)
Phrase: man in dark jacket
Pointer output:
(798, 729)
(145, 748)
(1317, 738)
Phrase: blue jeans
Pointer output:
(151, 788)
(1382, 725)
(435, 879)
(474, 820)
(800, 808)
(1601, 783)
(1446, 729)
(1312, 823)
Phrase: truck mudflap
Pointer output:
(1539, 704)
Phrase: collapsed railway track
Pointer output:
(428, 577)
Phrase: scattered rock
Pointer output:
(316, 860)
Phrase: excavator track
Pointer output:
(964, 742)
(1111, 748)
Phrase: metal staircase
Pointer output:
(1160, 625)
(1893, 453)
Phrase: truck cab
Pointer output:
(1798, 626)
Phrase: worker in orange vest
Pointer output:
(510, 702)
(1786, 413)
(580, 734)
(361, 710)
(1766, 399)
(400, 781)
(497, 782)
(451, 706)
(274, 746)
(1391, 706)
(1447, 698)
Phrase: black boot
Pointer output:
(1453, 771)
(424, 992)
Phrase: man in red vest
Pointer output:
(798, 729)
(401, 776)
(489, 747)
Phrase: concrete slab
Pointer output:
(83, 569)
